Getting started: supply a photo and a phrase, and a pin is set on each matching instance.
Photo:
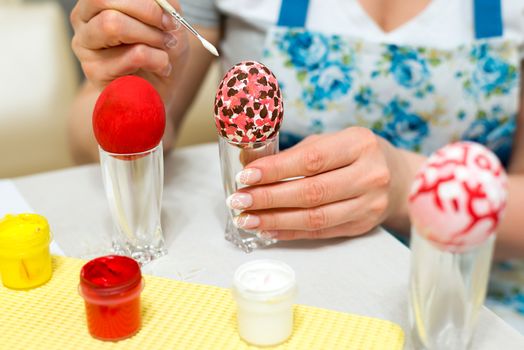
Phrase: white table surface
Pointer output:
(366, 275)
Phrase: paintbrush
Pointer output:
(169, 9)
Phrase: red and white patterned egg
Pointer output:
(458, 196)
(248, 104)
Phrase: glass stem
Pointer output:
(233, 159)
(447, 291)
(134, 186)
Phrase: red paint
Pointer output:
(111, 287)
(129, 116)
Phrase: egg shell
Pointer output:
(129, 116)
(458, 196)
(248, 104)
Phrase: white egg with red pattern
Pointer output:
(458, 196)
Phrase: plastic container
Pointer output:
(25, 261)
(265, 291)
(111, 287)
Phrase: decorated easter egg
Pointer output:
(129, 116)
(248, 104)
(458, 196)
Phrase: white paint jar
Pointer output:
(265, 291)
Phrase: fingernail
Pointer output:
(170, 40)
(176, 24)
(239, 201)
(166, 21)
(167, 70)
(169, 23)
(267, 235)
(249, 176)
(246, 221)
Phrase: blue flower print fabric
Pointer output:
(417, 98)
(323, 66)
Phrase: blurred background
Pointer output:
(39, 76)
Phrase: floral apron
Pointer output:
(418, 98)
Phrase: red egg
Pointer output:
(129, 116)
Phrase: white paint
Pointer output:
(264, 291)
(264, 279)
(209, 47)
(451, 190)
(431, 174)
(462, 173)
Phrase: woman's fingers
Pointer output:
(148, 12)
(111, 28)
(308, 158)
(361, 209)
(119, 37)
(348, 229)
(106, 65)
(333, 186)
(346, 180)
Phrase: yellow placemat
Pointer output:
(175, 315)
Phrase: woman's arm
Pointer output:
(510, 239)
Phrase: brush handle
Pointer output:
(184, 23)
(166, 6)
(171, 10)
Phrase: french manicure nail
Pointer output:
(176, 24)
(268, 235)
(249, 176)
(239, 201)
(169, 23)
(170, 40)
(166, 21)
(246, 221)
(167, 70)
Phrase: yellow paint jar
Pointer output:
(25, 261)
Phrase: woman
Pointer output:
(384, 83)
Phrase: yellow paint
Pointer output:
(25, 261)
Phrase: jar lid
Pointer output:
(264, 280)
(110, 275)
(23, 231)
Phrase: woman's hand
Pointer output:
(119, 37)
(352, 181)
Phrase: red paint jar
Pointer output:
(111, 287)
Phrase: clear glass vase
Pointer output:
(447, 291)
(233, 158)
(134, 185)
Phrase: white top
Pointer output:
(443, 24)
